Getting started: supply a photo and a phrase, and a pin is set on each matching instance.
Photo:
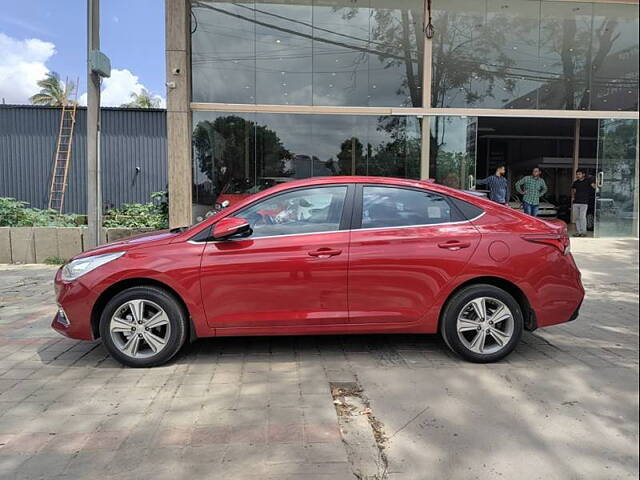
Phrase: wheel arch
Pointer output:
(122, 285)
(530, 322)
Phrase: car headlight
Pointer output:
(79, 267)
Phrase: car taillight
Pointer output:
(559, 241)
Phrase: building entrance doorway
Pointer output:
(522, 144)
(606, 149)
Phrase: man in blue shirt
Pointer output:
(498, 186)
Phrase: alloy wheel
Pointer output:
(485, 325)
(140, 328)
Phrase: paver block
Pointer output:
(5, 245)
(23, 245)
(46, 243)
(69, 242)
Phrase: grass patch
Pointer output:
(54, 261)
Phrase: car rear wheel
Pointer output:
(143, 326)
(482, 323)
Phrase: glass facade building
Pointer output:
(291, 89)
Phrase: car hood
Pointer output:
(137, 241)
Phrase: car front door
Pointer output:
(292, 270)
(410, 243)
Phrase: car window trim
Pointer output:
(425, 225)
(356, 220)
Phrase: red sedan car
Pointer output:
(335, 255)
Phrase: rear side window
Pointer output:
(468, 210)
(400, 207)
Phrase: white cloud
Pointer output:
(117, 89)
(22, 64)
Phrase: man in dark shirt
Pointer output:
(581, 191)
(498, 186)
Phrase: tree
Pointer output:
(142, 100)
(53, 92)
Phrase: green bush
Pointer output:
(155, 214)
(138, 215)
(14, 213)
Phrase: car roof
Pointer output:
(401, 182)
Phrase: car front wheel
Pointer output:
(482, 323)
(143, 326)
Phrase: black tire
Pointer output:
(177, 321)
(454, 307)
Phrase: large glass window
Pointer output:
(453, 151)
(617, 177)
(223, 55)
(520, 54)
(236, 154)
(304, 52)
(308, 210)
(614, 64)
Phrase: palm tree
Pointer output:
(53, 92)
(142, 100)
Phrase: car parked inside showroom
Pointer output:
(331, 255)
(545, 208)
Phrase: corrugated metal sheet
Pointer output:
(129, 139)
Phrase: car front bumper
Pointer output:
(75, 303)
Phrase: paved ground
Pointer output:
(564, 405)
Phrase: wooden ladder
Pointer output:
(60, 172)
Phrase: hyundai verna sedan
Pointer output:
(335, 255)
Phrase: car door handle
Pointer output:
(325, 252)
(454, 245)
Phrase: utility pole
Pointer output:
(94, 193)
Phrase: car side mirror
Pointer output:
(230, 226)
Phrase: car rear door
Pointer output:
(292, 271)
(407, 244)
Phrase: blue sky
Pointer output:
(41, 35)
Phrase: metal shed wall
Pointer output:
(130, 138)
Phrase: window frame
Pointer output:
(345, 219)
(356, 218)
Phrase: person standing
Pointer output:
(498, 186)
(531, 187)
(581, 191)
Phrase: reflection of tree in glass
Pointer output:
(449, 167)
(572, 41)
(617, 157)
(401, 42)
(350, 156)
(225, 150)
(400, 156)
(457, 61)
(397, 39)
(512, 58)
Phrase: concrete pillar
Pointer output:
(178, 60)
(94, 183)
(425, 151)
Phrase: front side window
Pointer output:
(400, 207)
(308, 210)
